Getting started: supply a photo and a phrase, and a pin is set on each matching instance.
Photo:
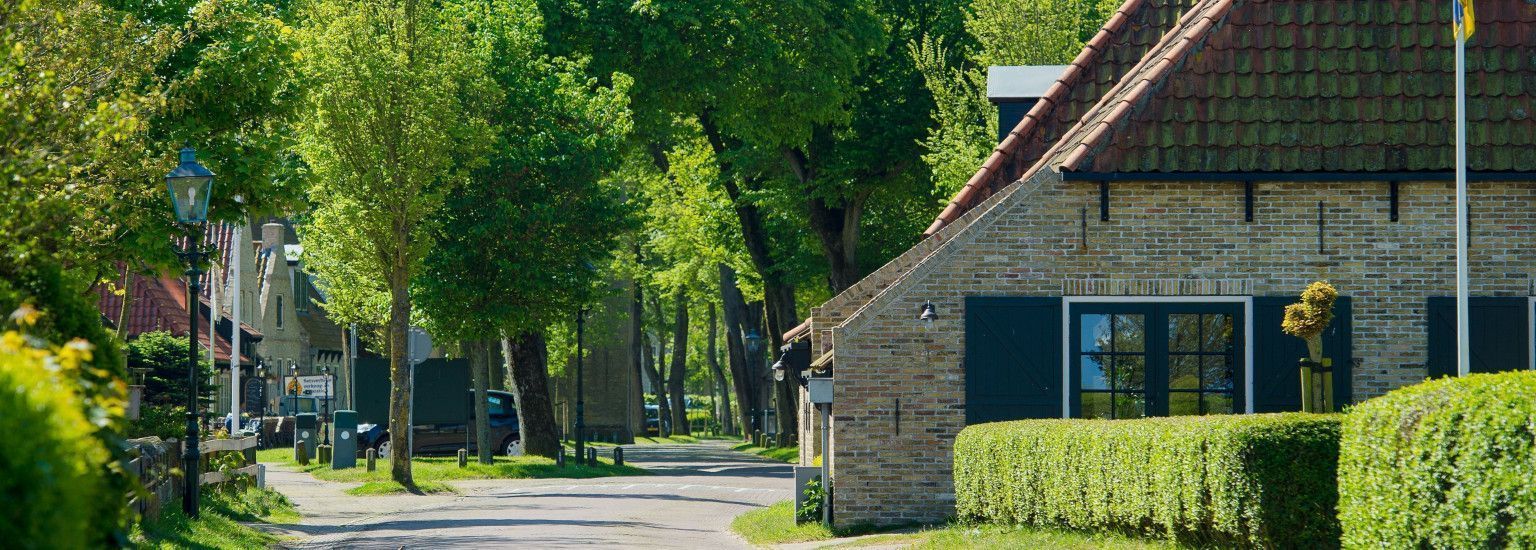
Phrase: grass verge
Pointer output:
(776, 525)
(426, 470)
(220, 524)
(782, 454)
(372, 488)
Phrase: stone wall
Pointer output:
(1044, 236)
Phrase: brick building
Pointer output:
(1128, 248)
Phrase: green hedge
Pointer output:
(1234, 481)
(1449, 463)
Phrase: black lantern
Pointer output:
(190, 185)
(754, 340)
(928, 314)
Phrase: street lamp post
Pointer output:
(581, 417)
(190, 185)
(326, 406)
(754, 343)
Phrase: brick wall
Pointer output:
(1029, 241)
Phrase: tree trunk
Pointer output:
(835, 222)
(679, 372)
(723, 406)
(527, 361)
(637, 357)
(127, 306)
(735, 311)
(778, 294)
(399, 380)
(663, 402)
(479, 352)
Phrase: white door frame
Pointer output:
(1247, 301)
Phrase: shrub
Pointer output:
(54, 465)
(1449, 463)
(1233, 481)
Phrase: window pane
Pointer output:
(1130, 405)
(1095, 372)
(1130, 372)
(1095, 332)
(1216, 332)
(1183, 403)
(1130, 333)
(1218, 372)
(1218, 403)
(1183, 332)
(1184, 372)
(1095, 405)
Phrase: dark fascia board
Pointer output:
(1239, 177)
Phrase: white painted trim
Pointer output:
(1247, 301)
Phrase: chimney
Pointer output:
(1014, 90)
(272, 236)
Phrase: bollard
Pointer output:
(757, 438)
(591, 456)
(323, 454)
(618, 456)
(463, 457)
(301, 453)
(560, 458)
(372, 456)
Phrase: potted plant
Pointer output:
(1307, 320)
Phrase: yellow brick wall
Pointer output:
(1029, 241)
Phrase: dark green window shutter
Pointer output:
(1276, 376)
(1498, 329)
(1012, 358)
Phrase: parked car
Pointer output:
(447, 438)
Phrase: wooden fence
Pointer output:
(158, 468)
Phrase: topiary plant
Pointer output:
(1307, 320)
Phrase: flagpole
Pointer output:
(1463, 355)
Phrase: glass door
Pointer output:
(1131, 360)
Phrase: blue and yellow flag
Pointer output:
(1462, 22)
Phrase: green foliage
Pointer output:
(965, 123)
(515, 244)
(1234, 481)
(162, 421)
(815, 498)
(776, 525)
(164, 358)
(1444, 464)
(394, 122)
(54, 484)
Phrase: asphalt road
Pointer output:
(688, 503)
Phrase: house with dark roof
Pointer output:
(1128, 248)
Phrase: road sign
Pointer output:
(317, 385)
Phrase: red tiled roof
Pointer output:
(159, 304)
(1133, 29)
(1318, 86)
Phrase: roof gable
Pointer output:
(1317, 86)
(1120, 44)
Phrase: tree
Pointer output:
(953, 67)
(392, 128)
(517, 245)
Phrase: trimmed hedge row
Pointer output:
(1449, 463)
(1234, 481)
